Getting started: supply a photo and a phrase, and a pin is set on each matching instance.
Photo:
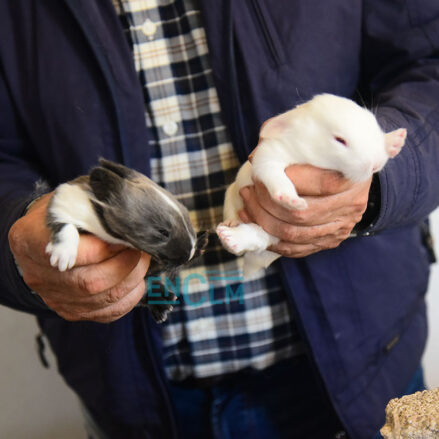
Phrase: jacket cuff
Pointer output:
(14, 292)
(398, 182)
(373, 209)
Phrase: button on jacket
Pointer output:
(69, 94)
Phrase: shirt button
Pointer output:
(170, 128)
(149, 28)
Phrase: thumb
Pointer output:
(92, 250)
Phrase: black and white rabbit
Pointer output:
(122, 206)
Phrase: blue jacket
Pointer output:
(69, 94)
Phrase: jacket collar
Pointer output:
(97, 18)
(218, 22)
(101, 28)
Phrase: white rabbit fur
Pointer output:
(328, 132)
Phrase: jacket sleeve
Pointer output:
(19, 171)
(401, 69)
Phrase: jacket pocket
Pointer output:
(407, 336)
(267, 32)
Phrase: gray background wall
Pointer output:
(35, 403)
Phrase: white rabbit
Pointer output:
(329, 132)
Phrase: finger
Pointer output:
(286, 231)
(294, 250)
(110, 313)
(327, 242)
(350, 203)
(96, 278)
(119, 309)
(92, 250)
(80, 303)
(244, 216)
(310, 180)
(120, 290)
(32, 235)
(317, 213)
(263, 197)
(321, 209)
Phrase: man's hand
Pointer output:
(106, 282)
(335, 205)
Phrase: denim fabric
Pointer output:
(282, 401)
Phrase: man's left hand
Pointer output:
(335, 205)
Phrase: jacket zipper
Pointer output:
(268, 39)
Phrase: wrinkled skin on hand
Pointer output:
(335, 205)
(104, 285)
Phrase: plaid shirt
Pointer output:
(224, 323)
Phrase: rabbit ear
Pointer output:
(105, 183)
(395, 141)
(275, 126)
(120, 170)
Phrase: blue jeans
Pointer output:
(283, 401)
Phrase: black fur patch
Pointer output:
(105, 184)
(100, 214)
(55, 228)
(121, 170)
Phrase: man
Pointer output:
(340, 331)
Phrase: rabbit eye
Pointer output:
(341, 140)
(164, 233)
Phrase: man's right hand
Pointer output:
(106, 282)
